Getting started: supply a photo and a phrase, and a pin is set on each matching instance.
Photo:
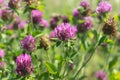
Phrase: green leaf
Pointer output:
(58, 43)
(112, 63)
(37, 33)
(101, 40)
(91, 48)
(44, 76)
(51, 68)
(73, 55)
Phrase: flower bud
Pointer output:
(13, 4)
(44, 42)
(6, 15)
(109, 27)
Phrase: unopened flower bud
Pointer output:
(109, 27)
(44, 42)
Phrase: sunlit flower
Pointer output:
(65, 31)
(104, 7)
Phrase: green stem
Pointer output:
(84, 64)
(48, 56)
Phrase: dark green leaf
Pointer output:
(58, 43)
(101, 40)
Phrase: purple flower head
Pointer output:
(28, 43)
(65, 31)
(36, 16)
(43, 23)
(22, 24)
(86, 25)
(101, 75)
(2, 65)
(85, 4)
(2, 53)
(13, 3)
(24, 65)
(75, 13)
(103, 7)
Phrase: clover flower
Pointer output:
(103, 7)
(101, 75)
(24, 65)
(28, 43)
(65, 31)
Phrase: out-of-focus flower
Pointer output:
(101, 75)
(103, 7)
(76, 13)
(0, 13)
(2, 53)
(85, 4)
(28, 43)
(36, 16)
(65, 31)
(86, 25)
(1, 2)
(13, 4)
(52, 34)
(6, 15)
(54, 20)
(22, 24)
(65, 19)
(44, 42)
(109, 27)
(2, 64)
(24, 65)
(18, 24)
(43, 23)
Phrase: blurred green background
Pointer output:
(67, 6)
